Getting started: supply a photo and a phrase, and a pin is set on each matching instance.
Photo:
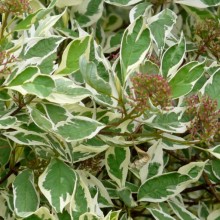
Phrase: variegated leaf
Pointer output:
(57, 183)
(212, 88)
(7, 122)
(173, 58)
(181, 211)
(25, 196)
(81, 200)
(42, 213)
(160, 27)
(141, 9)
(199, 3)
(162, 187)
(134, 47)
(72, 53)
(88, 12)
(66, 92)
(155, 164)
(159, 214)
(116, 162)
(185, 78)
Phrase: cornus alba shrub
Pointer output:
(109, 109)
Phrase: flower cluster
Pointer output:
(15, 7)
(5, 59)
(153, 87)
(205, 114)
(209, 32)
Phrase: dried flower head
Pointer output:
(153, 87)
(205, 114)
(15, 7)
(209, 40)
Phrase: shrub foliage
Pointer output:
(109, 109)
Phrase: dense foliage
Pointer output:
(110, 109)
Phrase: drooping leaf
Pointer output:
(26, 198)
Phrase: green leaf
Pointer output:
(78, 128)
(169, 122)
(199, 3)
(140, 9)
(32, 18)
(181, 211)
(24, 76)
(88, 12)
(160, 26)
(112, 215)
(173, 58)
(42, 213)
(5, 152)
(57, 184)
(71, 55)
(212, 88)
(134, 47)
(116, 162)
(26, 199)
(66, 92)
(42, 86)
(186, 77)
(215, 151)
(203, 211)
(91, 77)
(159, 214)
(80, 201)
(7, 122)
(215, 167)
(26, 137)
(126, 196)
